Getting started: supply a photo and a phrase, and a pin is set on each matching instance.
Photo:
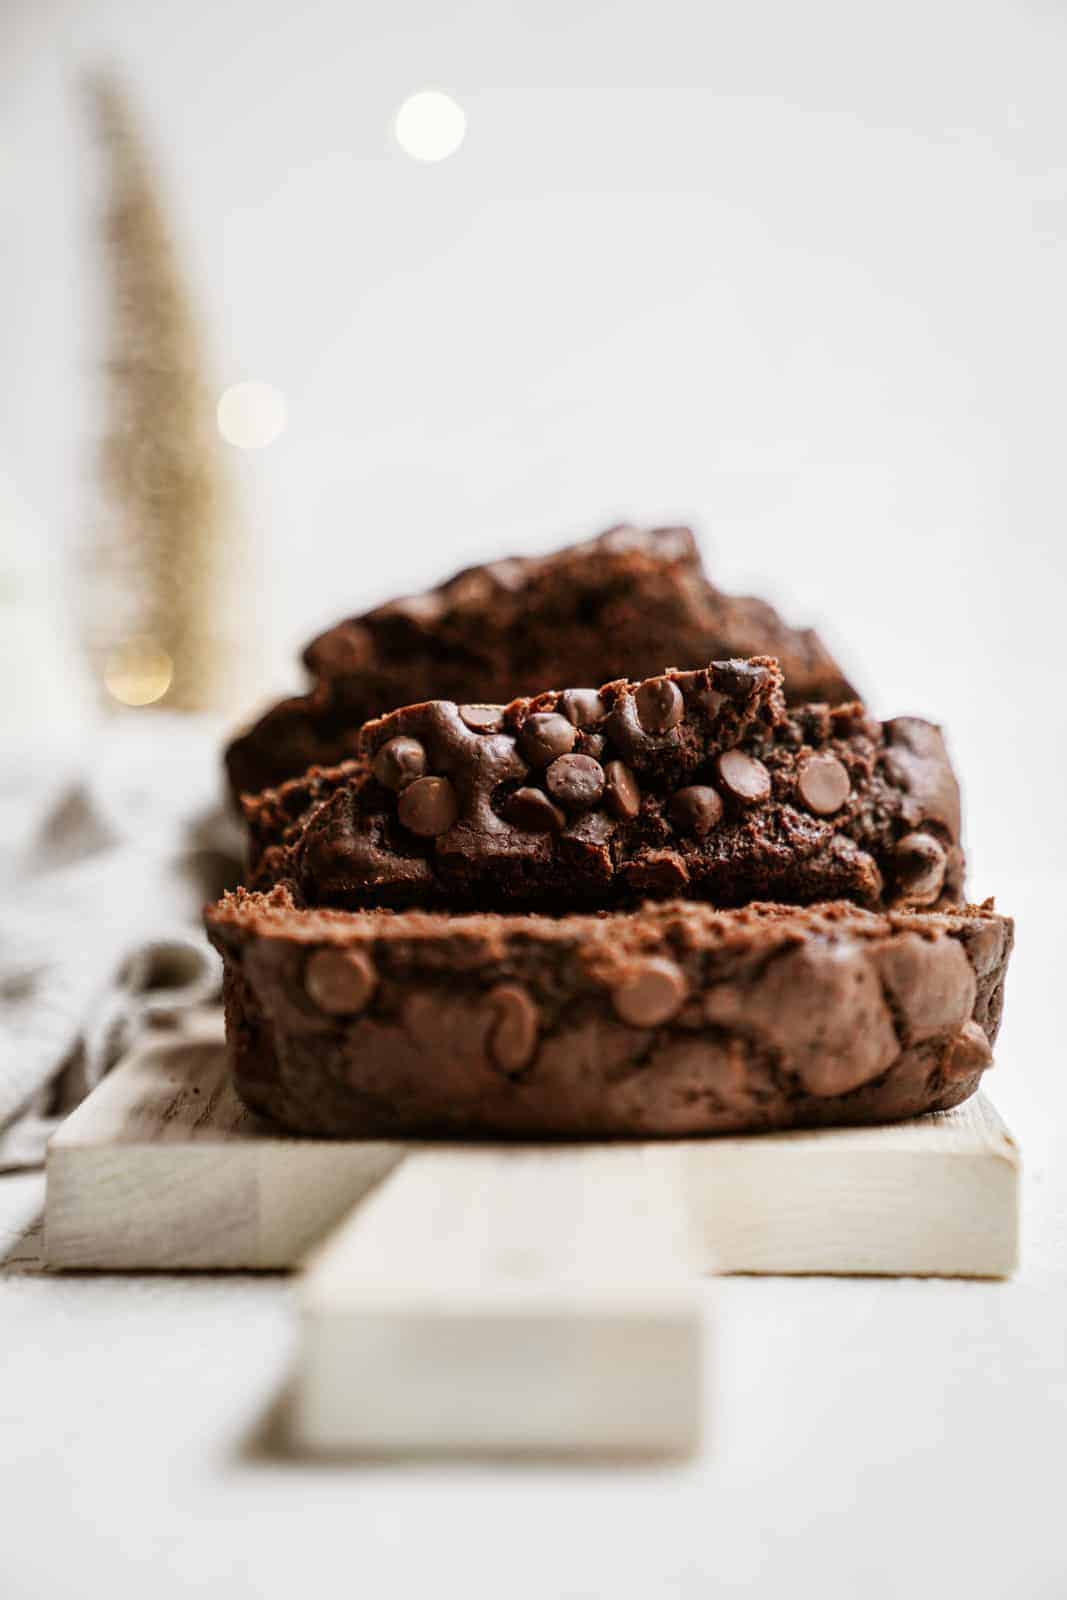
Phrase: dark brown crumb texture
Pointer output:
(673, 1019)
(700, 783)
(628, 601)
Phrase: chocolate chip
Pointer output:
(533, 810)
(985, 946)
(621, 791)
(821, 1008)
(651, 991)
(592, 744)
(483, 719)
(744, 777)
(823, 784)
(930, 982)
(583, 707)
(513, 1035)
(340, 981)
(577, 782)
(697, 810)
(919, 862)
(659, 705)
(399, 763)
(428, 807)
(545, 736)
(968, 1054)
(740, 678)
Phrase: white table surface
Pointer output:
(865, 1437)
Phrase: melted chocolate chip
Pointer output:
(651, 992)
(919, 863)
(577, 782)
(969, 1053)
(823, 784)
(428, 807)
(513, 1035)
(697, 810)
(583, 707)
(659, 705)
(340, 982)
(399, 763)
(931, 983)
(985, 946)
(739, 678)
(621, 791)
(482, 719)
(545, 736)
(744, 777)
(532, 810)
(821, 1006)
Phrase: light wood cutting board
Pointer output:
(539, 1298)
(162, 1168)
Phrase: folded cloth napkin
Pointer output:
(113, 849)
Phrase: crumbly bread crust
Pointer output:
(701, 783)
(673, 1019)
(629, 600)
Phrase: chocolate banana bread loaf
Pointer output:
(627, 601)
(672, 1019)
(700, 783)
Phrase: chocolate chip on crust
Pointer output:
(582, 707)
(514, 1032)
(823, 784)
(968, 1053)
(739, 677)
(621, 791)
(577, 782)
(482, 719)
(745, 778)
(919, 864)
(428, 807)
(651, 991)
(544, 736)
(340, 982)
(659, 705)
(532, 810)
(399, 762)
(696, 809)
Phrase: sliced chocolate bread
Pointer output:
(674, 1019)
(702, 784)
(627, 601)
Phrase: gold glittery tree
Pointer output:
(161, 556)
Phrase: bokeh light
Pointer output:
(138, 672)
(252, 415)
(430, 125)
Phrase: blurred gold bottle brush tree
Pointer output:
(162, 545)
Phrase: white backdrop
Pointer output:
(792, 271)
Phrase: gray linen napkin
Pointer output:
(117, 845)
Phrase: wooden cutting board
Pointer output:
(535, 1301)
(488, 1298)
(162, 1168)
